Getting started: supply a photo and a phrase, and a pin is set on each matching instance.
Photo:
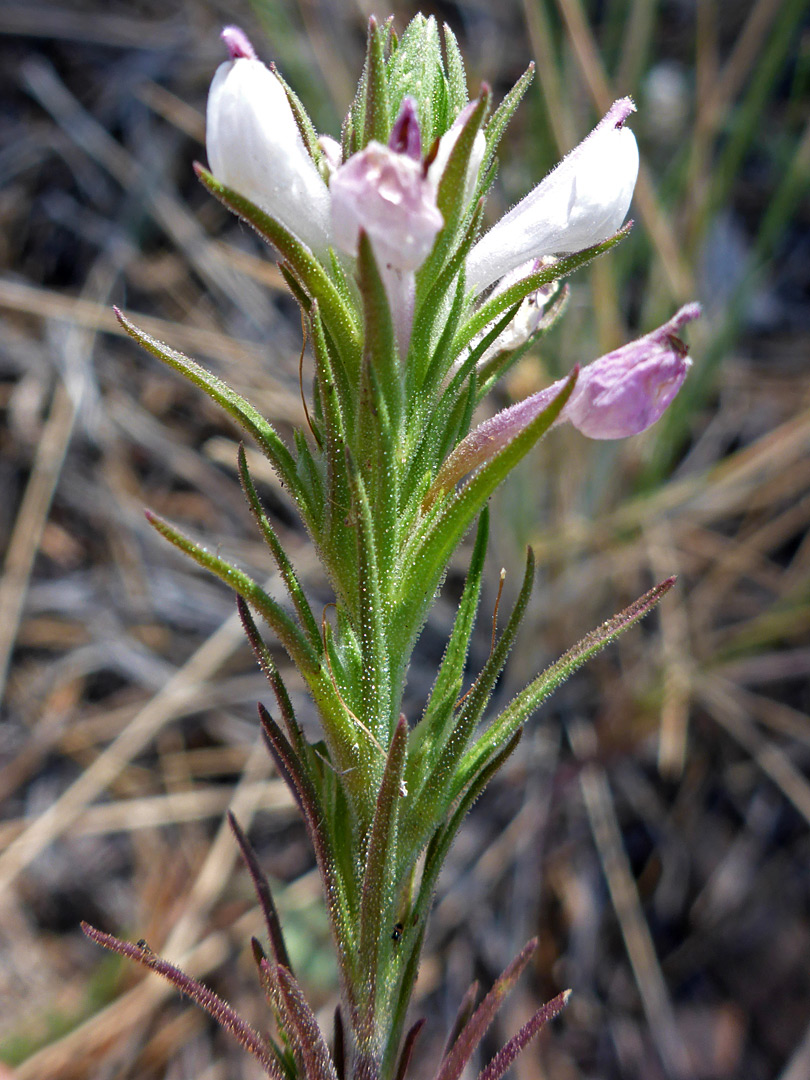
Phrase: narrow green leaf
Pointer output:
(423, 564)
(379, 879)
(454, 176)
(288, 575)
(402, 998)
(503, 114)
(533, 695)
(464, 410)
(377, 115)
(430, 730)
(276, 618)
(437, 789)
(445, 425)
(305, 125)
(456, 75)
(309, 474)
(376, 700)
(443, 838)
(348, 131)
(455, 209)
(476, 450)
(334, 387)
(478, 697)
(248, 418)
(337, 404)
(428, 360)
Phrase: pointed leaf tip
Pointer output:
(470, 1036)
(499, 1065)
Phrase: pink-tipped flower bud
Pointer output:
(618, 395)
(387, 195)
(254, 145)
(627, 390)
(581, 202)
(238, 43)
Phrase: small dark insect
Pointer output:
(143, 944)
(396, 933)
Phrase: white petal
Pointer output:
(254, 147)
(581, 202)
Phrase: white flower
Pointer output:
(581, 202)
(254, 146)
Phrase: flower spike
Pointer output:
(413, 317)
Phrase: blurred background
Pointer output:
(653, 831)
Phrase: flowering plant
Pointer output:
(413, 317)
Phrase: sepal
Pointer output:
(457, 95)
(377, 119)
(498, 122)
(415, 69)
